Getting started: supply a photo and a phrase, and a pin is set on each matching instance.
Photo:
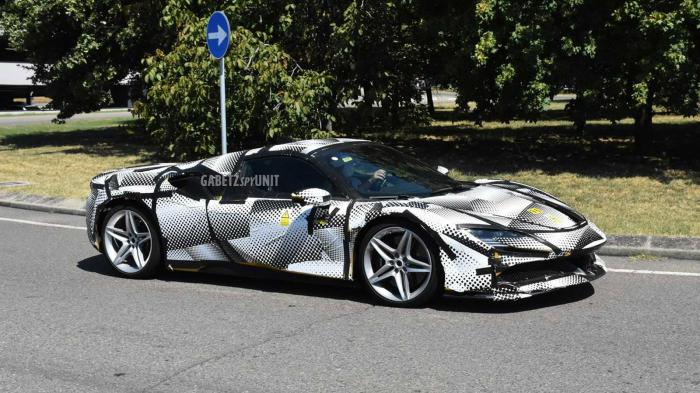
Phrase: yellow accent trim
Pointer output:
(534, 210)
(284, 219)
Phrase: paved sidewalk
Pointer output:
(617, 245)
(43, 203)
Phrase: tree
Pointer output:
(379, 53)
(657, 66)
(436, 31)
(373, 46)
(626, 58)
(504, 60)
(80, 49)
(270, 95)
(622, 58)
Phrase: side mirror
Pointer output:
(312, 196)
(442, 169)
(190, 185)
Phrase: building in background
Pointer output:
(17, 91)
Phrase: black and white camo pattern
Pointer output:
(321, 240)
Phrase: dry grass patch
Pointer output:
(59, 160)
(598, 172)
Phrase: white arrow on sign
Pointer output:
(219, 36)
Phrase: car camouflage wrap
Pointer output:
(495, 239)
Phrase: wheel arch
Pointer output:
(405, 217)
(104, 210)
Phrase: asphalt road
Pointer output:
(45, 118)
(68, 324)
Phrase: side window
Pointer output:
(278, 177)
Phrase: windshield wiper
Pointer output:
(400, 196)
(456, 187)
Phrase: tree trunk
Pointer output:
(394, 114)
(577, 109)
(366, 106)
(429, 97)
(643, 132)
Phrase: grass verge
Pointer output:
(60, 159)
(599, 172)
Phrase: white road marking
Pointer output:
(633, 271)
(657, 272)
(42, 224)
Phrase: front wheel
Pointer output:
(131, 243)
(400, 265)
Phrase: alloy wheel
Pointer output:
(397, 264)
(128, 241)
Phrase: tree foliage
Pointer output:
(636, 56)
(622, 58)
(294, 63)
(269, 95)
(504, 62)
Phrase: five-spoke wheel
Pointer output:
(130, 242)
(399, 266)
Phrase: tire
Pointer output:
(386, 268)
(120, 244)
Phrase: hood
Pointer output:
(512, 205)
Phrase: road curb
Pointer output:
(42, 203)
(617, 245)
(662, 246)
(657, 252)
(42, 207)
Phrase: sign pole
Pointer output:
(218, 40)
(222, 93)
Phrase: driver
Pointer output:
(348, 167)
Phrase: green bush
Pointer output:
(268, 96)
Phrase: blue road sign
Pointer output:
(218, 34)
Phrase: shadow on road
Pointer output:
(265, 280)
(556, 298)
(332, 289)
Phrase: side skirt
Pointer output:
(252, 271)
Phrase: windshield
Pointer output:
(374, 170)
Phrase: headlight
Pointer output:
(495, 238)
(505, 240)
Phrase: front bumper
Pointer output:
(533, 278)
(95, 199)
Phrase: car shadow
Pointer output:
(555, 298)
(267, 281)
(287, 283)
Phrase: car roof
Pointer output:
(307, 146)
(227, 163)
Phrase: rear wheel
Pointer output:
(400, 265)
(131, 243)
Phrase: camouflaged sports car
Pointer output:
(344, 209)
